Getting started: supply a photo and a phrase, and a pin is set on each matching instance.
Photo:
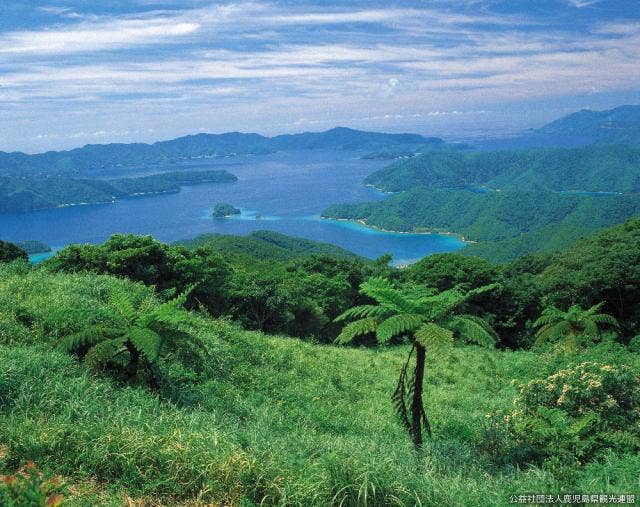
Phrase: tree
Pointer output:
(569, 326)
(10, 252)
(445, 271)
(132, 336)
(430, 318)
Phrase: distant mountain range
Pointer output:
(614, 126)
(91, 160)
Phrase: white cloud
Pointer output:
(579, 4)
(88, 37)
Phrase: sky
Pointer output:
(75, 72)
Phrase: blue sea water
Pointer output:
(283, 192)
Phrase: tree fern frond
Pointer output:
(87, 337)
(590, 328)
(482, 290)
(604, 318)
(546, 318)
(358, 312)
(397, 325)
(553, 331)
(433, 336)
(122, 304)
(357, 328)
(148, 342)
(593, 310)
(100, 354)
(474, 329)
(387, 295)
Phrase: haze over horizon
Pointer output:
(73, 73)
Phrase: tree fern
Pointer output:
(87, 337)
(133, 337)
(430, 318)
(474, 329)
(358, 312)
(557, 325)
(433, 336)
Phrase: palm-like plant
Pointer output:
(430, 318)
(132, 335)
(569, 326)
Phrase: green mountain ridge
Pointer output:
(620, 125)
(613, 168)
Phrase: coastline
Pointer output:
(363, 223)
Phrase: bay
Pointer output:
(283, 192)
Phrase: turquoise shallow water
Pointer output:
(284, 192)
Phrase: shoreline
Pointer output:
(363, 223)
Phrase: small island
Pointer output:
(223, 209)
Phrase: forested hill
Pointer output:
(615, 126)
(24, 194)
(507, 224)
(614, 168)
(89, 160)
(266, 245)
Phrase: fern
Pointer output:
(555, 324)
(433, 336)
(87, 337)
(146, 341)
(474, 329)
(104, 352)
(356, 328)
(430, 318)
(397, 325)
(358, 312)
(134, 337)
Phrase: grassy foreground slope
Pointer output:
(265, 419)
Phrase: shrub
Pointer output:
(573, 415)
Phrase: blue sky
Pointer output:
(74, 72)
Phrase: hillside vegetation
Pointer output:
(246, 419)
(507, 224)
(24, 194)
(614, 168)
(266, 245)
